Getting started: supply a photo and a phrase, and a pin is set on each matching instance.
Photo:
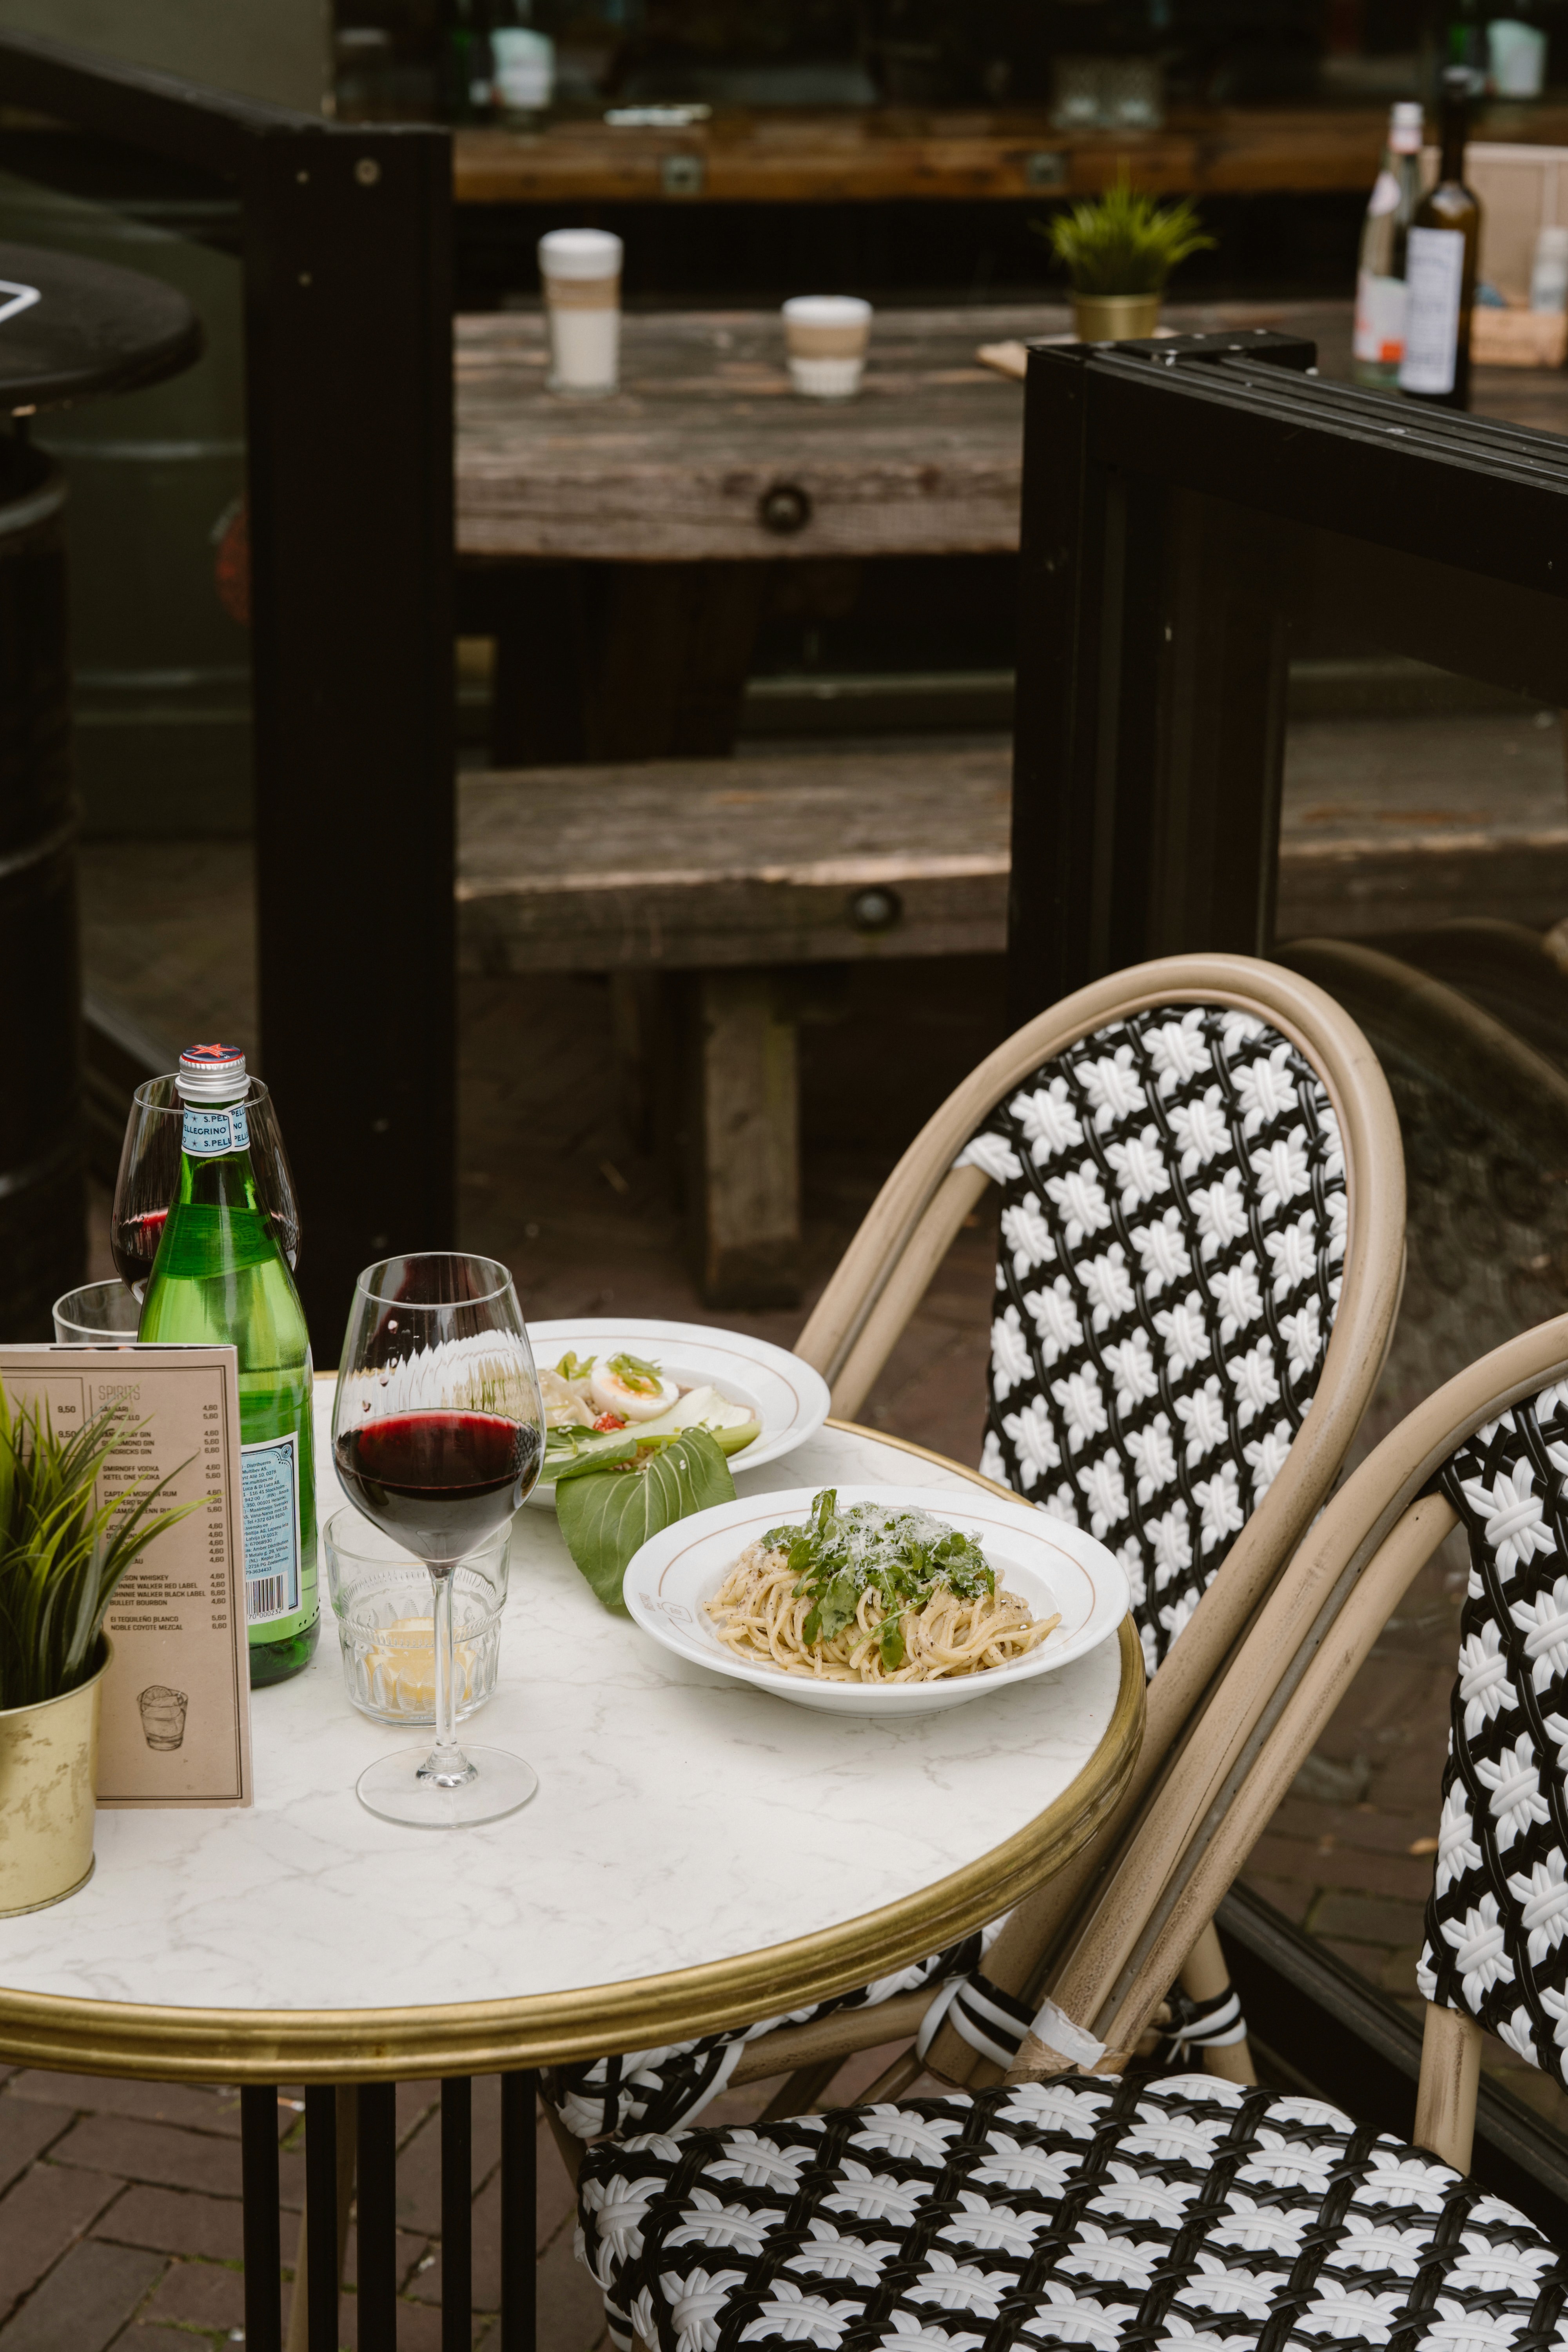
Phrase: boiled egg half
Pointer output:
(635, 1390)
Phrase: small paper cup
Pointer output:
(825, 336)
(580, 270)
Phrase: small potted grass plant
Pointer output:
(1118, 250)
(63, 1551)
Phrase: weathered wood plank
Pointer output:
(892, 154)
(676, 466)
(710, 864)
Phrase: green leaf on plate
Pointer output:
(605, 1515)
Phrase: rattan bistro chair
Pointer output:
(1184, 2210)
(1202, 1222)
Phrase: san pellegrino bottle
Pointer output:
(220, 1277)
(1441, 252)
(1379, 286)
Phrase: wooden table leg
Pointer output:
(669, 669)
(618, 661)
(743, 1140)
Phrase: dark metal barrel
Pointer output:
(42, 1201)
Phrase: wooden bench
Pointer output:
(707, 890)
(699, 886)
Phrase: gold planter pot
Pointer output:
(1114, 317)
(48, 1784)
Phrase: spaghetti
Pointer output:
(871, 1595)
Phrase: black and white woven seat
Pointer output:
(1172, 1236)
(1184, 2214)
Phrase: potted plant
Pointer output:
(62, 1553)
(1118, 250)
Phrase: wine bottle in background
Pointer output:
(219, 1277)
(1380, 287)
(1440, 266)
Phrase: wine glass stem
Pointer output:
(448, 1764)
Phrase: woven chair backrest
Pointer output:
(1172, 1233)
(1497, 1920)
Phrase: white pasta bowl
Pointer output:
(788, 1396)
(1052, 1566)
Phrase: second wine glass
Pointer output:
(437, 1434)
(149, 1177)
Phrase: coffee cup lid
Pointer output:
(580, 253)
(828, 310)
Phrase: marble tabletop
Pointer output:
(681, 1818)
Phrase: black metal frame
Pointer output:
(1176, 497)
(346, 249)
(371, 2115)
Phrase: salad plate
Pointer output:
(786, 1397)
(1053, 1566)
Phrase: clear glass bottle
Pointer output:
(220, 1277)
(1380, 287)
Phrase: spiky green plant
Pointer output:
(60, 1555)
(1121, 242)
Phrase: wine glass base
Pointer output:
(393, 1789)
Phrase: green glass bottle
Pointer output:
(220, 1276)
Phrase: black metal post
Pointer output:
(320, 2217)
(377, 2210)
(346, 249)
(350, 402)
(263, 2249)
(457, 2213)
(518, 2192)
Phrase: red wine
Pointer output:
(439, 1481)
(133, 1244)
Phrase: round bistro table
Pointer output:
(699, 1853)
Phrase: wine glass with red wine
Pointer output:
(149, 1177)
(437, 1434)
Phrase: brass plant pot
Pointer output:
(48, 1795)
(1114, 317)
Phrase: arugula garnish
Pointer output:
(902, 1555)
(642, 1378)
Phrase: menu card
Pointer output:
(175, 1726)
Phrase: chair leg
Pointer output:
(1205, 1976)
(895, 2080)
(799, 2092)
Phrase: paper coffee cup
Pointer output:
(825, 336)
(579, 269)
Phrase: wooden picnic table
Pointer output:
(621, 551)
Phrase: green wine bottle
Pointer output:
(220, 1277)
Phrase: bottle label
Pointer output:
(1435, 271)
(269, 1486)
(208, 1134)
(1380, 312)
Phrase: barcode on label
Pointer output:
(266, 1596)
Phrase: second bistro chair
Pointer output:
(1202, 1227)
(1181, 2211)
